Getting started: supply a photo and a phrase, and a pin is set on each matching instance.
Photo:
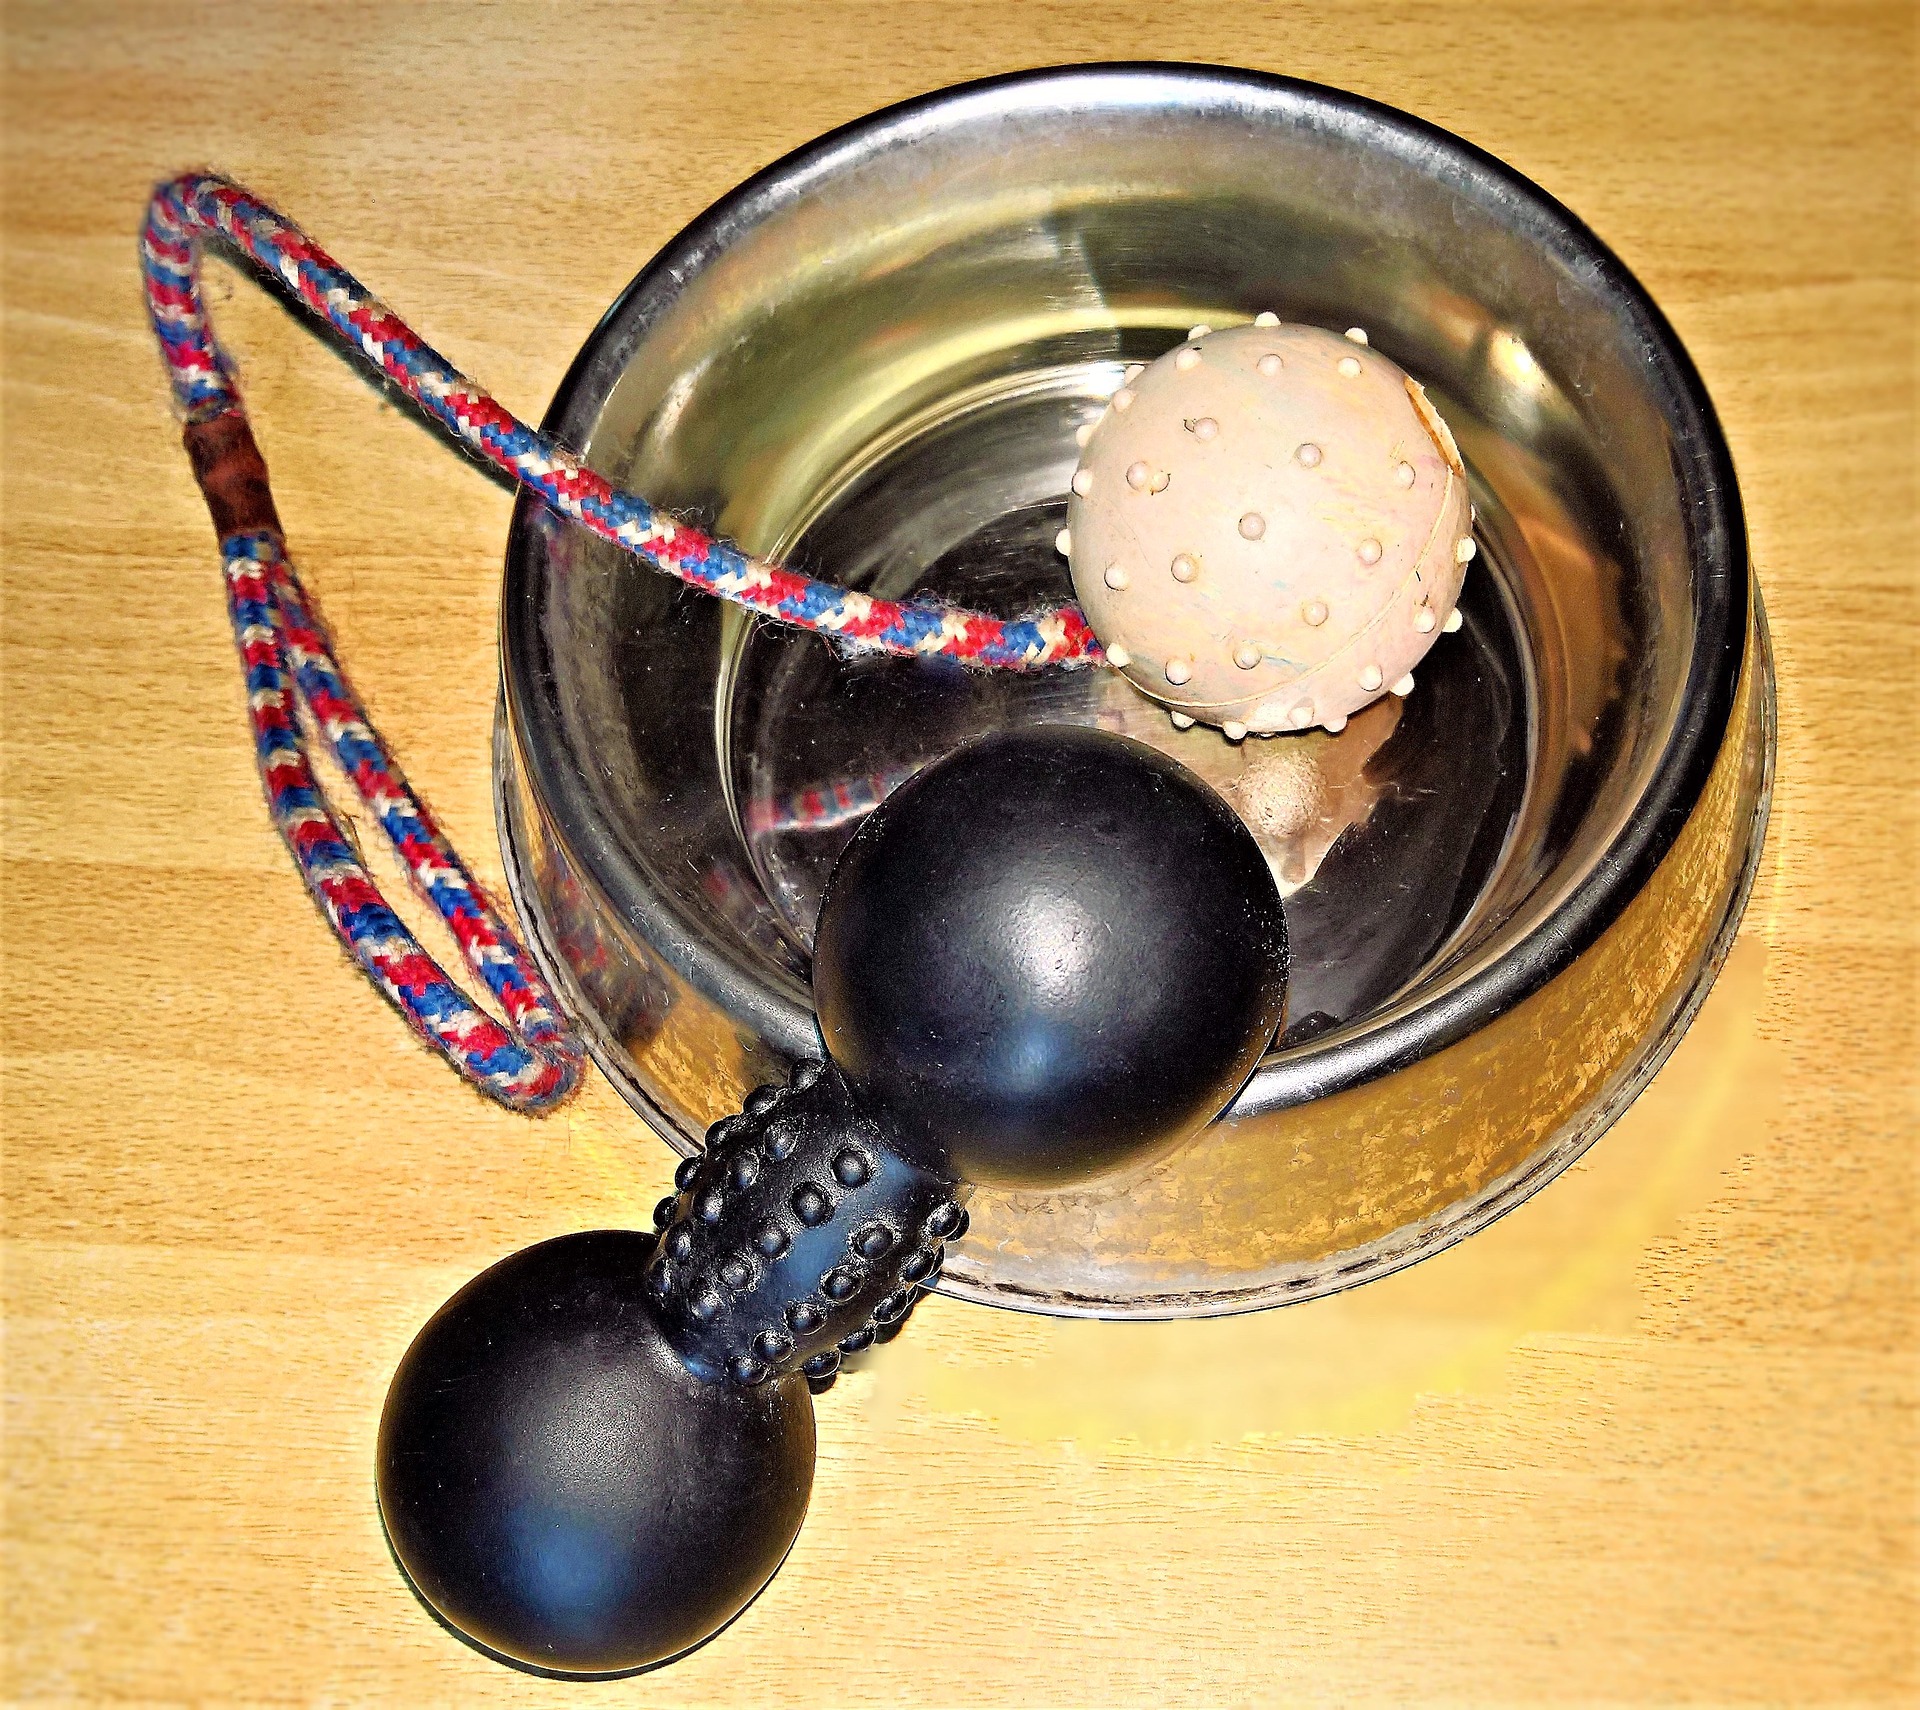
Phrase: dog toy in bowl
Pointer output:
(1053, 954)
(1269, 527)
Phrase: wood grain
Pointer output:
(1650, 1437)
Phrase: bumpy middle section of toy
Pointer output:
(797, 1236)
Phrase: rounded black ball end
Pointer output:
(1052, 953)
(561, 1489)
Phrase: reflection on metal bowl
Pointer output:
(1506, 893)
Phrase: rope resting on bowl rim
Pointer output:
(198, 207)
(532, 1061)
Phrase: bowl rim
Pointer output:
(1703, 470)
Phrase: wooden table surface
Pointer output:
(1650, 1437)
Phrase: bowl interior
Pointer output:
(871, 360)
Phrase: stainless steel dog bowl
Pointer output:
(1507, 894)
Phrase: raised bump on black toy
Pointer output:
(1050, 954)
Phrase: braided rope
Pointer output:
(532, 1061)
(529, 1064)
(200, 206)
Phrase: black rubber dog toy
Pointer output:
(1052, 953)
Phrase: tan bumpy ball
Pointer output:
(1269, 527)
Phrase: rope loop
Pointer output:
(533, 1060)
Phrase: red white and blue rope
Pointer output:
(533, 1060)
(201, 206)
